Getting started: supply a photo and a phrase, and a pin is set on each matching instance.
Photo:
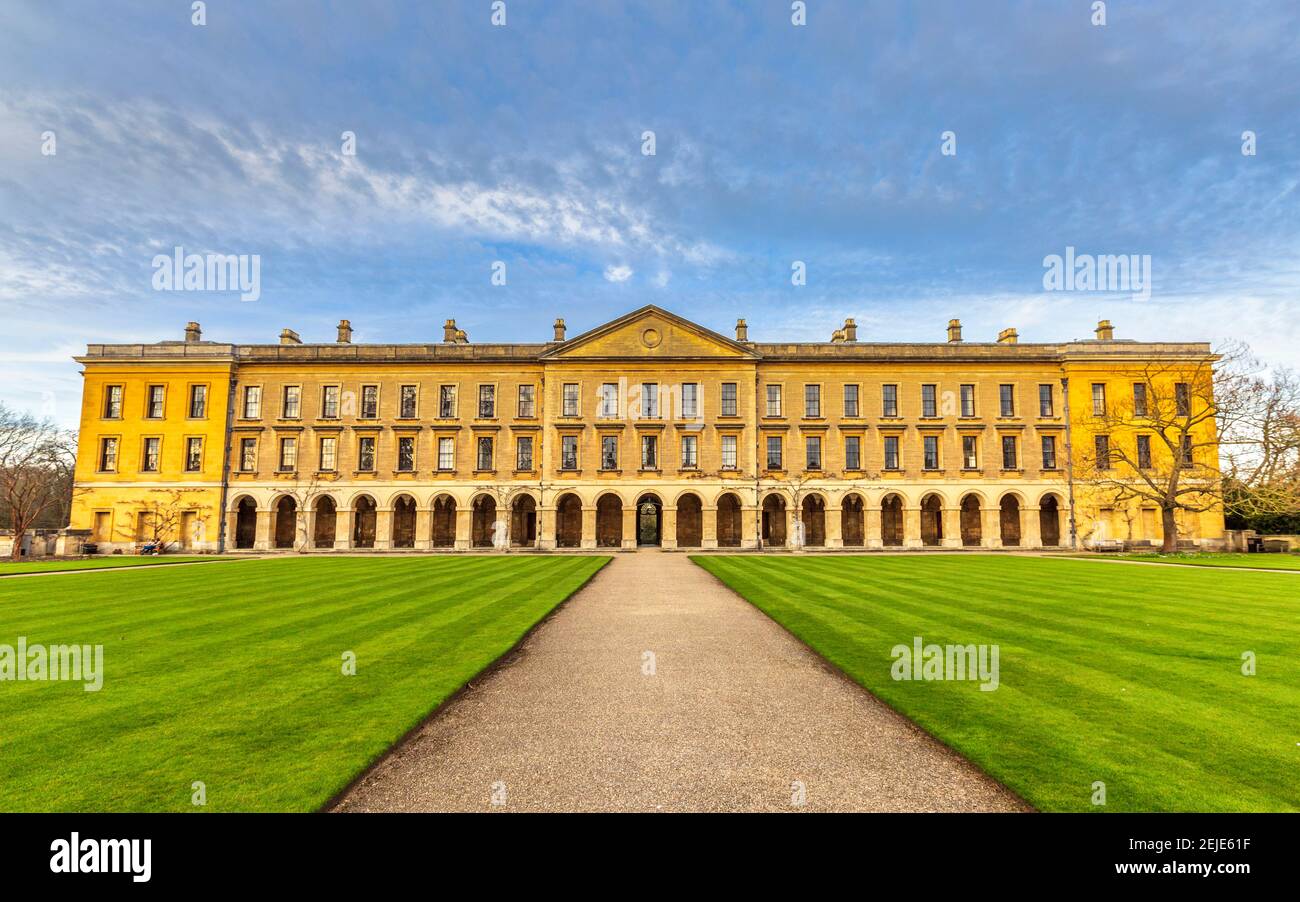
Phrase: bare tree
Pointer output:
(304, 495)
(35, 471)
(1261, 453)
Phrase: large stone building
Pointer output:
(648, 430)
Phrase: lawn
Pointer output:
(1131, 676)
(1211, 559)
(233, 676)
(55, 565)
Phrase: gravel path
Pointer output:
(735, 712)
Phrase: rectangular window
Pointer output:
(1007, 400)
(1139, 399)
(288, 454)
(112, 402)
(609, 399)
(446, 402)
(484, 460)
(690, 451)
(329, 402)
(1046, 404)
(852, 453)
(1183, 398)
(774, 400)
(527, 401)
(570, 408)
(407, 402)
(1186, 448)
(774, 452)
(569, 452)
(369, 402)
(850, 400)
(968, 400)
(329, 454)
(524, 452)
(812, 400)
(1049, 452)
(252, 402)
(891, 452)
(1101, 448)
(152, 446)
(970, 452)
(812, 445)
(406, 453)
(650, 399)
(247, 455)
(1098, 399)
(108, 455)
(728, 452)
(1144, 452)
(930, 447)
(889, 400)
(446, 454)
(366, 453)
(292, 402)
(728, 399)
(487, 402)
(609, 452)
(649, 452)
(154, 405)
(198, 402)
(690, 400)
(929, 401)
(193, 454)
(1010, 457)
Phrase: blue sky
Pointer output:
(523, 144)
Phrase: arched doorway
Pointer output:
(286, 522)
(327, 518)
(568, 522)
(246, 523)
(813, 514)
(972, 529)
(690, 521)
(728, 521)
(891, 520)
(649, 520)
(773, 521)
(404, 522)
(363, 529)
(1049, 520)
(851, 522)
(932, 520)
(609, 521)
(1010, 520)
(523, 522)
(444, 522)
(485, 518)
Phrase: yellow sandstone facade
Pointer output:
(648, 430)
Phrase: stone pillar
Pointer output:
(383, 528)
(263, 540)
(991, 527)
(1031, 533)
(749, 526)
(709, 528)
(912, 527)
(629, 526)
(668, 529)
(589, 528)
(546, 528)
(423, 529)
(952, 527)
(872, 528)
(232, 527)
(834, 527)
(306, 530)
(343, 529)
(464, 527)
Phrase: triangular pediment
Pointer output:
(650, 332)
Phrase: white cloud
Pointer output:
(619, 273)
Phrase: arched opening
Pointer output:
(246, 523)
(327, 518)
(404, 522)
(729, 521)
(485, 518)
(690, 521)
(523, 522)
(568, 522)
(286, 522)
(852, 528)
(609, 521)
(891, 521)
(813, 514)
(773, 520)
(932, 520)
(1049, 520)
(1010, 520)
(444, 522)
(363, 527)
(649, 520)
(972, 529)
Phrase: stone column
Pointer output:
(343, 529)
(423, 529)
(464, 527)
(834, 527)
(546, 528)
(1031, 534)
(991, 527)
(232, 529)
(307, 530)
(872, 528)
(263, 540)
(912, 527)
(668, 529)
(709, 528)
(383, 528)
(952, 527)
(749, 526)
(629, 526)
(589, 527)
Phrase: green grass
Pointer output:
(1126, 675)
(233, 675)
(55, 565)
(1211, 559)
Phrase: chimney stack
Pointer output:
(1105, 331)
(559, 328)
(850, 329)
(1008, 337)
(742, 330)
(345, 332)
(954, 331)
(192, 332)
(289, 337)
(449, 331)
